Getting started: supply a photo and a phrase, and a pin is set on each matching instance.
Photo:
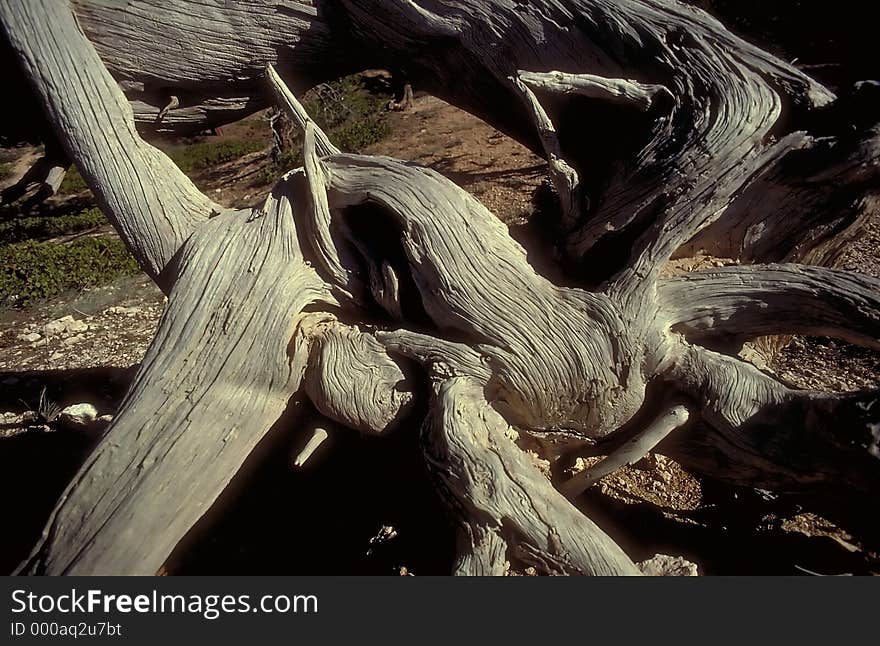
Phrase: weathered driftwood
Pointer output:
(363, 279)
(703, 103)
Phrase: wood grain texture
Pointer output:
(366, 283)
(152, 204)
(226, 360)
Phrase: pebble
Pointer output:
(66, 324)
(124, 311)
(78, 416)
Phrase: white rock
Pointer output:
(663, 565)
(66, 324)
(57, 326)
(77, 326)
(78, 415)
(33, 337)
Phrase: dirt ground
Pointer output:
(320, 519)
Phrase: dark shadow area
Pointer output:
(318, 520)
(35, 466)
(833, 44)
(70, 206)
(103, 387)
(273, 519)
(466, 178)
(736, 532)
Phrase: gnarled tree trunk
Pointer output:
(367, 283)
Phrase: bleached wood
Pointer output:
(426, 285)
(565, 178)
(629, 453)
(751, 301)
(758, 433)
(297, 112)
(152, 204)
(353, 381)
(496, 487)
(623, 91)
(318, 437)
(215, 379)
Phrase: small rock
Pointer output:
(57, 326)
(33, 337)
(12, 424)
(664, 565)
(124, 311)
(77, 326)
(78, 416)
(15, 419)
(66, 324)
(105, 419)
(71, 340)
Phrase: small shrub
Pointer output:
(346, 111)
(352, 137)
(31, 271)
(333, 104)
(355, 136)
(5, 170)
(45, 227)
(207, 154)
(47, 410)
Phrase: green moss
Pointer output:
(45, 227)
(31, 271)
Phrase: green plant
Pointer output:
(207, 154)
(357, 135)
(47, 410)
(346, 111)
(30, 271)
(48, 226)
(72, 183)
(333, 104)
